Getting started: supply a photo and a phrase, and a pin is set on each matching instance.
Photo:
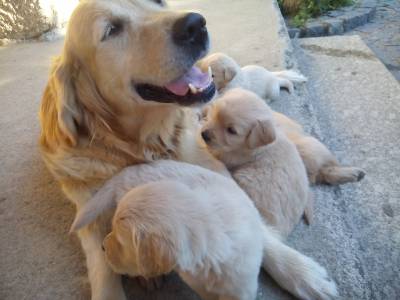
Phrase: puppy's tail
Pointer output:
(292, 76)
(103, 200)
(295, 272)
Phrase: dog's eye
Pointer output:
(113, 29)
(231, 130)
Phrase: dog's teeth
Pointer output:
(192, 88)
(209, 71)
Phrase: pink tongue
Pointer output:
(194, 76)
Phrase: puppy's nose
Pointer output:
(190, 29)
(206, 136)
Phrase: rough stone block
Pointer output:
(335, 27)
(353, 19)
(316, 29)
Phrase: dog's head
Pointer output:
(131, 251)
(120, 56)
(141, 49)
(239, 120)
(223, 68)
(147, 230)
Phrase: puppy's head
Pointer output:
(145, 240)
(223, 68)
(133, 251)
(239, 120)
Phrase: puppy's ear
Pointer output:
(113, 248)
(68, 112)
(229, 73)
(262, 133)
(155, 254)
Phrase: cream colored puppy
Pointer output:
(240, 130)
(228, 74)
(322, 166)
(202, 225)
(212, 237)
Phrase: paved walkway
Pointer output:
(382, 35)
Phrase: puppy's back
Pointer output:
(277, 183)
(204, 227)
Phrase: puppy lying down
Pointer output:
(321, 165)
(177, 216)
(240, 131)
(227, 74)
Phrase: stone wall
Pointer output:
(25, 19)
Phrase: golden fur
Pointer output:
(241, 131)
(93, 123)
(322, 166)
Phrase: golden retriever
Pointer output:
(240, 130)
(322, 166)
(219, 204)
(228, 74)
(99, 112)
(115, 98)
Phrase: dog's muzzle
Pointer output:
(189, 33)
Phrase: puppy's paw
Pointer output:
(152, 283)
(312, 281)
(340, 175)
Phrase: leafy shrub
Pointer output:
(302, 10)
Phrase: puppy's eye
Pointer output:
(231, 130)
(113, 29)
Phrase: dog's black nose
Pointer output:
(206, 135)
(190, 30)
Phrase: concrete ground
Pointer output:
(356, 102)
(382, 34)
(356, 229)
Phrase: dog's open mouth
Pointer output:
(192, 87)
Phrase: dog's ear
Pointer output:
(69, 114)
(229, 73)
(155, 254)
(262, 133)
(114, 249)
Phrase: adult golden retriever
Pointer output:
(95, 115)
(115, 98)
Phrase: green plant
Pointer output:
(306, 9)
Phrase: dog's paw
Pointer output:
(152, 283)
(313, 282)
(340, 175)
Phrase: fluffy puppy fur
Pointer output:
(322, 166)
(240, 130)
(212, 237)
(228, 74)
(201, 224)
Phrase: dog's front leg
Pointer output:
(105, 284)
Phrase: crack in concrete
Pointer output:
(338, 52)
